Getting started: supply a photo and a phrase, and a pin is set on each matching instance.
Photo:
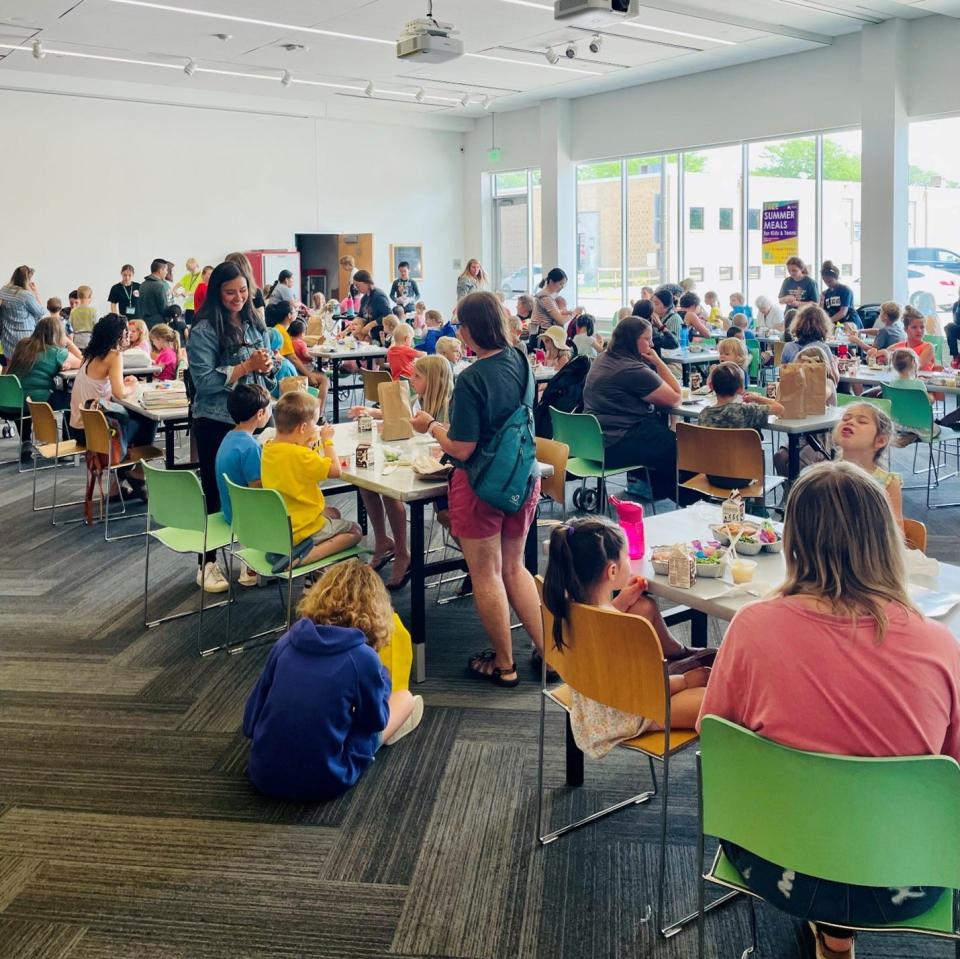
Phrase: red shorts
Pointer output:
(474, 518)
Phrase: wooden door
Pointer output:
(360, 247)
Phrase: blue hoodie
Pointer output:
(429, 344)
(316, 713)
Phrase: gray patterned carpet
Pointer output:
(128, 829)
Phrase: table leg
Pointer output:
(335, 385)
(170, 453)
(698, 629)
(531, 548)
(418, 614)
(361, 513)
(793, 454)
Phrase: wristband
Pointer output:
(327, 443)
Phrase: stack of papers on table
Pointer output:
(165, 395)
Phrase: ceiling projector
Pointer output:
(428, 41)
(594, 14)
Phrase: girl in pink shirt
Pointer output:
(165, 350)
(839, 661)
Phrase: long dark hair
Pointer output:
(106, 336)
(556, 275)
(47, 333)
(579, 552)
(213, 312)
(643, 309)
(625, 336)
(484, 319)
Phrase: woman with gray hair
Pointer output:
(769, 314)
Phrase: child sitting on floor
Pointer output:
(863, 434)
(323, 704)
(401, 353)
(239, 454)
(164, 350)
(294, 466)
(588, 563)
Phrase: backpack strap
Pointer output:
(530, 390)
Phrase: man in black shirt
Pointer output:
(124, 296)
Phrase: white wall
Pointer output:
(90, 184)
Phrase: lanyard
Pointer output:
(127, 293)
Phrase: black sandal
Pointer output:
(536, 661)
(494, 675)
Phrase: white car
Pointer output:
(931, 289)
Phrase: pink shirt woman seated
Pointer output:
(839, 661)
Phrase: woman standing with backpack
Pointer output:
(490, 440)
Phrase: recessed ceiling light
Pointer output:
(191, 68)
(678, 33)
(286, 78)
(38, 52)
(233, 18)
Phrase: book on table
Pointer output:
(165, 395)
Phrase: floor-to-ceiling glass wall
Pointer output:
(933, 254)
(712, 217)
(652, 250)
(600, 239)
(516, 229)
(780, 171)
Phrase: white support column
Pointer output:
(885, 165)
(558, 191)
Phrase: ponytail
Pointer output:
(579, 551)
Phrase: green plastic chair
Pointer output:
(845, 399)
(584, 436)
(753, 347)
(12, 398)
(262, 525)
(178, 508)
(939, 345)
(911, 409)
(867, 822)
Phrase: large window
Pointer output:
(626, 231)
(516, 225)
(600, 238)
(712, 197)
(934, 212)
(648, 220)
(782, 170)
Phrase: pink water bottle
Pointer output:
(630, 516)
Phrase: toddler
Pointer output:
(435, 329)
(712, 303)
(401, 354)
(296, 332)
(164, 347)
(738, 307)
(734, 350)
(83, 316)
(323, 704)
(863, 434)
(294, 466)
(419, 322)
(586, 341)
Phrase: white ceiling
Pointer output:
(506, 42)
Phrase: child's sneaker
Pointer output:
(211, 579)
(410, 724)
(248, 577)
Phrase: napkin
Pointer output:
(758, 589)
(920, 565)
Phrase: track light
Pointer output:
(191, 68)
(571, 51)
(369, 89)
(552, 56)
(420, 95)
(38, 52)
(486, 103)
(465, 100)
(595, 42)
(286, 79)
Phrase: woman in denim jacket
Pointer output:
(228, 345)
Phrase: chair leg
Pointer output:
(543, 710)
(753, 929)
(574, 757)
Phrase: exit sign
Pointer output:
(494, 154)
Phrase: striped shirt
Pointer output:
(19, 312)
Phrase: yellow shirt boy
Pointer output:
(295, 472)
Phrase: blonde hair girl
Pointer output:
(734, 350)
(139, 335)
(432, 381)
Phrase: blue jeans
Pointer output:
(824, 902)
